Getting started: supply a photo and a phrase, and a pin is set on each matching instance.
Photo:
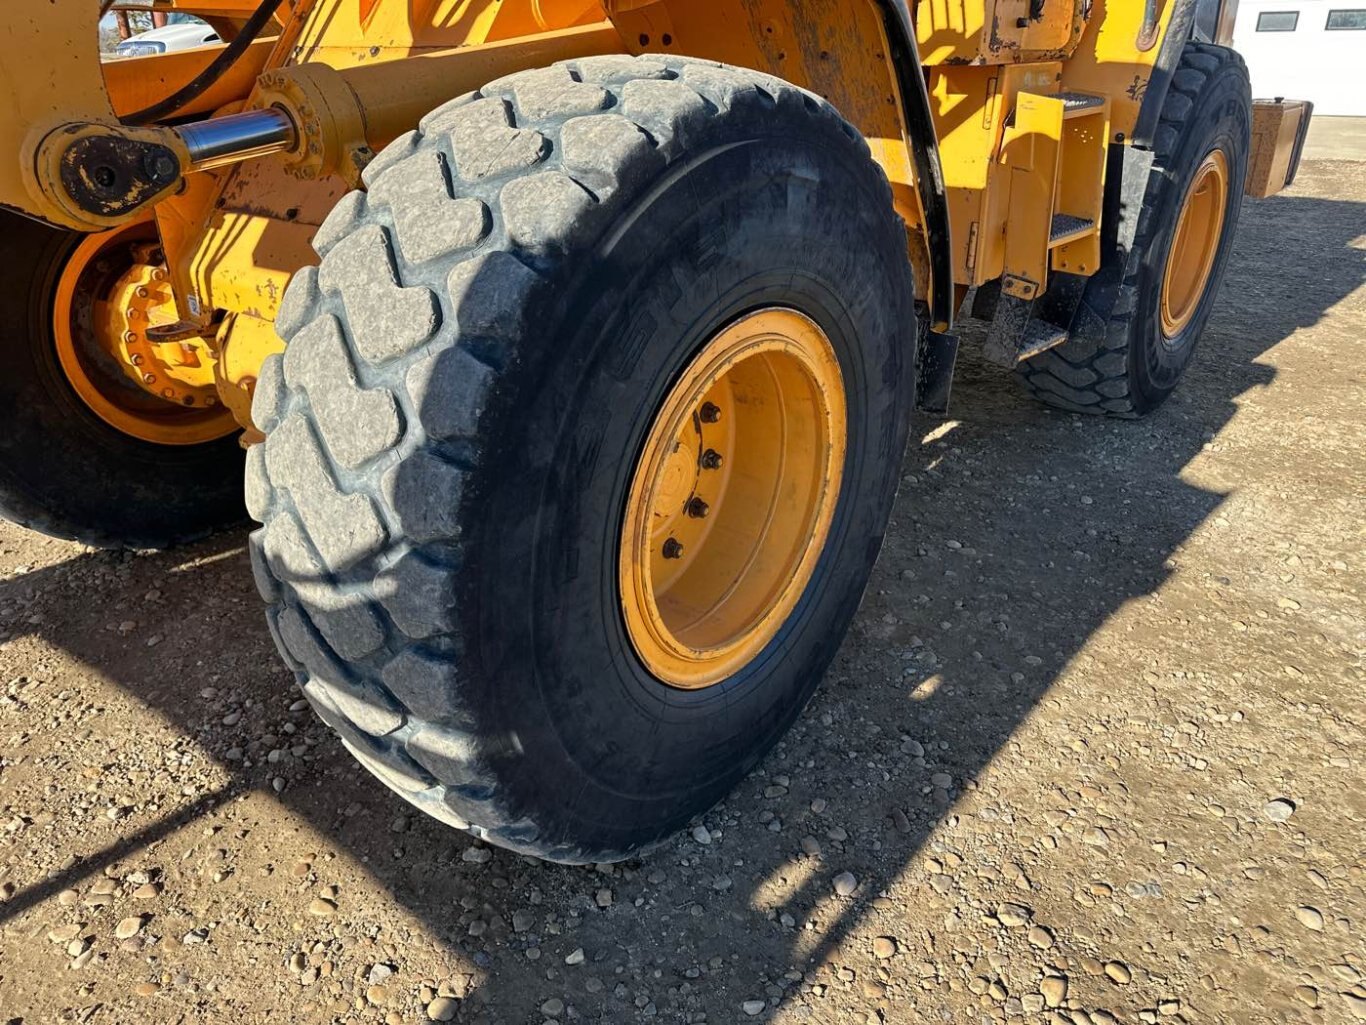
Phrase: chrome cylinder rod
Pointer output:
(236, 137)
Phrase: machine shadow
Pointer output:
(1013, 541)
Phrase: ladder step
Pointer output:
(1066, 228)
(1040, 336)
(1078, 104)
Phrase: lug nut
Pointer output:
(709, 413)
(142, 292)
(711, 459)
(697, 508)
(673, 549)
(135, 359)
(149, 378)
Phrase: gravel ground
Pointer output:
(1093, 752)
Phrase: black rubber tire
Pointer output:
(63, 470)
(452, 428)
(1128, 368)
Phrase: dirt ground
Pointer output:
(1093, 752)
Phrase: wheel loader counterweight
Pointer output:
(573, 344)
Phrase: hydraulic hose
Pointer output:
(210, 74)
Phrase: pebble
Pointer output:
(1040, 937)
(753, 1007)
(575, 956)
(146, 989)
(1118, 973)
(1013, 916)
(1054, 990)
(1310, 917)
(1279, 809)
(845, 884)
(128, 927)
(320, 907)
(64, 933)
(1307, 995)
(701, 834)
(477, 855)
(442, 1009)
(884, 947)
(811, 847)
(147, 891)
(553, 1008)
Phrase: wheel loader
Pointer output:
(571, 346)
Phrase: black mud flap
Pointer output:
(938, 353)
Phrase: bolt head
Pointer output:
(709, 413)
(697, 508)
(149, 378)
(673, 549)
(711, 459)
(136, 358)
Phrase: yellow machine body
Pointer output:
(1026, 99)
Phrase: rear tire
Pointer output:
(469, 378)
(1130, 365)
(63, 470)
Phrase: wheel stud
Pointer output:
(709, 413)
(673, 549)
(711, 459)
(697, 508)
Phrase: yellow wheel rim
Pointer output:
(732, 498)
(1195, 244)
(107, 297)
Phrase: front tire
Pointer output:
(470, 379)
(1169, 278)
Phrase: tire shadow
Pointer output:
(1017, 534)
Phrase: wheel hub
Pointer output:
(732, 498)
(112, 292)
(1195, 243)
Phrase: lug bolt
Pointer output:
(709, 413)
(135, 359)
(142, 292)
(697, 508)
(149, 378)
(166, 393)
(158, 275)
(132, 314)
(129, 337)
(673, 549)
(188, 400)
(711, 459)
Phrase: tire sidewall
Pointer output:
(1220, 120)
(601, 749)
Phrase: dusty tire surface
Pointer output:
(1135, 367)
(64, 471)
(469, 376)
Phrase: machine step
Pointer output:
(1066, 228)
(1080, 104)
(1039, 336)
